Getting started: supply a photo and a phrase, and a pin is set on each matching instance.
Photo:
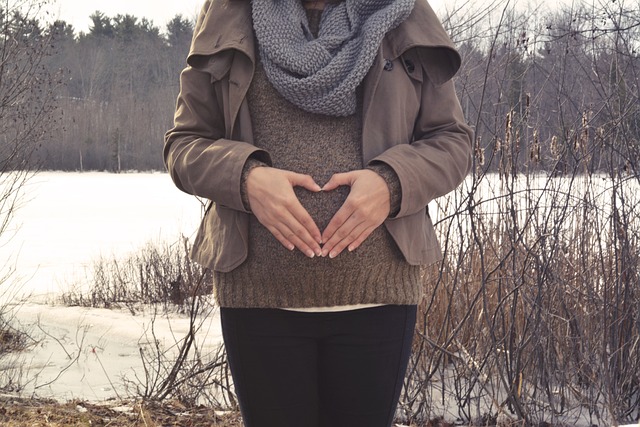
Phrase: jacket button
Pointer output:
(388, 65)
(410, 66)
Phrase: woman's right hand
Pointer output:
(275, 205)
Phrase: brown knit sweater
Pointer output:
(275, 277)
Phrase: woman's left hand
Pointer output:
(366, 207)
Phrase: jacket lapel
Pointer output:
(223, 44)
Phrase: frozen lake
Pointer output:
(67, 220)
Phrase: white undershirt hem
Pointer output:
(334, 308)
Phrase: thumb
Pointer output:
(339, 179)
(305, 181)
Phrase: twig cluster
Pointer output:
(156, 274)
(534, 315)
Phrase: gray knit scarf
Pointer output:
(321, 75)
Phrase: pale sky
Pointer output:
(76, 12)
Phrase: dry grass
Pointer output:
(12, 340)
(17, 412)
(156, 274)
(534, 313)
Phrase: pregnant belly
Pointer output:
(322, 206)
(270, 263)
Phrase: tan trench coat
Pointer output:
(412, 121)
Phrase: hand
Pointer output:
(366, 207)
(275, 205)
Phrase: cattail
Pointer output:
(535, 148)
(555, 150)
(497, 146)
(584, 135)
(479, 152)
(507, 131)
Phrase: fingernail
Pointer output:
(291, 247)
(310, 253)
(318, 252)
(324, 253)
(333, 255)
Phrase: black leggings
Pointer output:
(298, 369)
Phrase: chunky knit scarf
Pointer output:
(320, 75)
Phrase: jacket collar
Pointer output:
(422, 29)
(225, 25)
(222, 26)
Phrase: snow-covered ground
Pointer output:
(65, 222)
(92, 354)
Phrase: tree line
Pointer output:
(118, 87)
(553, 90)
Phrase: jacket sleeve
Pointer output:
(200, 160)
(439, 158)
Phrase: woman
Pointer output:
(319, 132)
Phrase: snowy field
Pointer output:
(65, 222)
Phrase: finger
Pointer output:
(336, 223)
(305, 181)
(305, 242)
(305, 226)
(292, 235)
(301, 214)
(352, 234)
(280, 238)
(347, 220)
(281, 220)
(339, 179)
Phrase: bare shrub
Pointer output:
(27, 108)
(11, 339)
(534, 314)
(161, 278)
(184, 371)
(158, 273)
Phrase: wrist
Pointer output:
(250, 166)
(392, 182)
